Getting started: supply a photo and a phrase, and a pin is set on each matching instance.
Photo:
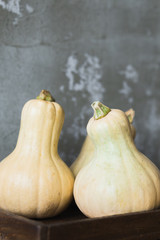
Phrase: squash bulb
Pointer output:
(119, 179)
(34, 181)
(87, 150)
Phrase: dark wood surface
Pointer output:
(73, 225)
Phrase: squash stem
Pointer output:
(100, 110)
(130, 114)
(45, 95)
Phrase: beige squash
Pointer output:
(119, 179)
(34, 181)
(87, 151)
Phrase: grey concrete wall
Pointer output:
(81, 50)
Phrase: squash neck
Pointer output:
(41, 124)
(35, 135)
(59, 120)
(116, 147)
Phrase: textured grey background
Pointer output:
(81, 50)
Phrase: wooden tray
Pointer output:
(73, 225)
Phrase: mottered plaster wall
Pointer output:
(82, 51)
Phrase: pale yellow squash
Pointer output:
(87, 151)
(34, 181)
(119, 179)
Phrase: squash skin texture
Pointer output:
(87, 152)
(119, 179)
(34, 181)
(84, 157)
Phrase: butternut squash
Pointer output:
(87, 150)
(34, 181)
(119, 179)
